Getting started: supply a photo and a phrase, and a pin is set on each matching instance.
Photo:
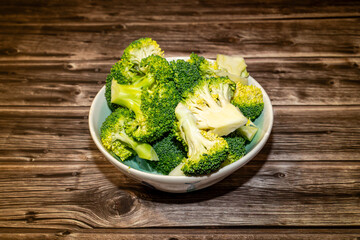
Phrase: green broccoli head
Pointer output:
(206, 150)
(170, 152)
(115, 139)
(236, 149)
(152, 99)
(130, 68)
(249, 100)
(196, 59)
(209, 101)
(122, 72)
(140, 49)
(206, 68)
(186, 75)
(158, 68)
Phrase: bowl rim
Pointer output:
(219, 173)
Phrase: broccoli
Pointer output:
(114, 138)
(170, 152)
(124, 73)
(140, 49)
(128, 69)
(206, 150)
(210, 103)
(249, 100)
(248, 131)
(236, 149)
(225, 66)
(185, 75)
(206, 68)
(232, 64)
(232, 77)
(153, 99)
(196, 59)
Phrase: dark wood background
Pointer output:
(304, 184)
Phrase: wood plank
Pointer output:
(21, 11)
(298, 134)
(275, 38)
(288, 81)
(180, 234)
(73, 196)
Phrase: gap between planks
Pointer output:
(112, 60)
(157, 23)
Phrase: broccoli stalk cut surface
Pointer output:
(206, 150)
(152, 98)
(115, 139)
(249, 100)
(170, 152)
(225, 66)
(232, 64)
(210, 103)
(248, 131)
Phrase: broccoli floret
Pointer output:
(152, 99)
(115, 139)
(140, 49)
(124, 73)
(185, 75)
(249, 100)
(206, 68)
(170, 152)
(236, 149)
(196, 59)
(210, 103)
(206, 150)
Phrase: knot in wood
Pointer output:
(63, 233)
(121, 203)
(279, 175)
(9, 51)
(69, 66)
(30, 216)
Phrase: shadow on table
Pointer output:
(229, 184)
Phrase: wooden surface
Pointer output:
(304, 184)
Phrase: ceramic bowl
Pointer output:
(179, 184)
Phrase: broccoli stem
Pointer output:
(129, 96)
(195, 141)
(143, 150)
(219, 115)
(146, 151)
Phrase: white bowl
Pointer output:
(180, 184)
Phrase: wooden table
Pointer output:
(55, 184)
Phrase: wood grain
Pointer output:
(298, 134)
(181, 234)
(275, 38)
(21, 11)
(288, 81)
(304, 184)
(74, 196)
